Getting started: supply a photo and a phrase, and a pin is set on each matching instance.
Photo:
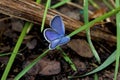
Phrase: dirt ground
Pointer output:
(53, 66)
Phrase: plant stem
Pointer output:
(118, 41)
(45, 13)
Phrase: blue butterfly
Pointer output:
(56, 34)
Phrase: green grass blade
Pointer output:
(45, 13)
(67, 59)
(38, 1)
(73, 33)
(60, 3)
(94, 4)
(118, 41)
(90, 24)
(15, 51)
(85, 8)
(96, 77)
(106, 63)
(26, 28)
(31, 65)
(4, 54)
(111, 59)
(108, 4)
(88, 32)
(34, 62)
(93, 48)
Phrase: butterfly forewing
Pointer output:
(57, 25)
(51, 35)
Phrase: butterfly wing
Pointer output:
(59, 41)
(64, 40)
(53, 44)
(51, 35)
(58, 25)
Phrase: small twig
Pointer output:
(5, 18)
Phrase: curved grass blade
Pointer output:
(88, 32)
(45, 13)
(106, 63)
(117, 2)
(60, 3)
(108, 4)
(67, 59)
(15, 51)
(28, 67)
(17, 46)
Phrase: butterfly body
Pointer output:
(56, 34)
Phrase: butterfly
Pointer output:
(55, 35)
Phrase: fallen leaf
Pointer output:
(98, 13)
(34, 70)
(81, 47)
(49, 67)
(44, 67)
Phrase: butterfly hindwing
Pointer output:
(53, 44)
(59, 41)
(64, 40)
(57, 25)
